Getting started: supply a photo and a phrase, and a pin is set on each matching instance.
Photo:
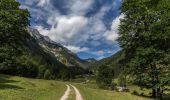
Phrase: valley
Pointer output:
(84, 49)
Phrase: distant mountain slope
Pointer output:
(115, 62)
(24, 57)
(61, 53)
(91, 60)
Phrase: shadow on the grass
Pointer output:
(5, 83)
(9, 86)
(141, 94)
(6, 80)
(165, 96)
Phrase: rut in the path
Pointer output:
(67, 92)
(78, 95)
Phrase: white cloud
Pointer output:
(100, 57)
(67, 29)
(79, 7)
(78, 29)
(42, 3)
(75, 29)
(76, 49)
(112, 34)
(100, 52)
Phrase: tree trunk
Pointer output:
(154, 93)
(159, 93)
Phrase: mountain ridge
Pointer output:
(61, 53)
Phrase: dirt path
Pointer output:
(66, 94)
(78, 95)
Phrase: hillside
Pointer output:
(115, 62)
(20, 54)
(31, 60)
(61, 53)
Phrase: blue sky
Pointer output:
(88, 28)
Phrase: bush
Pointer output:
(41, 71)
(135, 92)
(104, 77)
(47, 74)
(113, 86)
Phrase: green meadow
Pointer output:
(17, 88)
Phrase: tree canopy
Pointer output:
(145, 38)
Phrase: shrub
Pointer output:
(104, 77)
(47, 74)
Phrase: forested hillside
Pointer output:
(115, 62)
(61, 53)
(20, 54)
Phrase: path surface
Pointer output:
(78, 95)
(66, 94)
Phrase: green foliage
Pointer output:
(122, 80)
(145, 37)
(115, 62)
(47, 74)
(104, 77)
(20, 54)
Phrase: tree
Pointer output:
(104, 77)
(13, 20)
(145, 37)
(13, 23)
(20, 54)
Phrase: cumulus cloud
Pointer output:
(77, 27)
(79, 7)
(43, 2)
(66, 29)
(76, 49)
(112, 34)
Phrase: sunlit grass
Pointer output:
(17, 88)
(90, 91)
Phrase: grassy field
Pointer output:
(17, 88)
(90, 91)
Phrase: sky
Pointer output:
(88, 28)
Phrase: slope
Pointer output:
(115, 62)
(61, 53)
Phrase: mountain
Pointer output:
(61, 53)
(90, 60)
(115, 62)
(21, 55)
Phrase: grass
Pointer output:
(72, 94)
(90, 91)
(17, 88)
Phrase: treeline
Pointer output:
(20, 54)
